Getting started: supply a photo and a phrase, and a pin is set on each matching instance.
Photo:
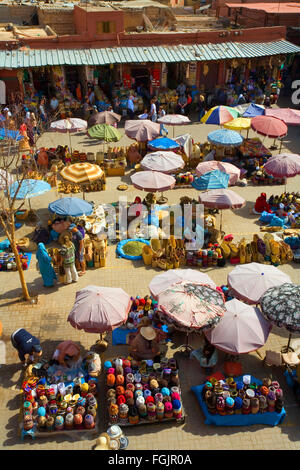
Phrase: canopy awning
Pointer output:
(122, 55)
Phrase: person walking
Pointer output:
(78, 242)
(153, 111)
(45, 266)
(42, 110)
(201, 107)
(68, 254)
(162, 113)
(27, 345)
(130, 107)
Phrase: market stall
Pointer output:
(241, 401)
(61, 395)
(143, 392)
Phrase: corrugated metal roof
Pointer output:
(122, 55)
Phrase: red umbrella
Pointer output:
(269, 126)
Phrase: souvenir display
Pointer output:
(148, 393)
(57, 398)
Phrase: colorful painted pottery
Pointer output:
(40, 390)
(158, 397)
(53, 408)
(160, 410)
(123, 412)
(59, 423)
(61, 388)
(68, 398)
(70, 410)
(142, 409)
(147, 393)
(138, 386)
(168, 410)
(129, 378)
(175, 390)
(133, 415)
(78, 419)
(151, 411)
(42, 422)
(130, 386)
(27, 406)
(89, 422)
(80, 410)
(93, 386)
(238, 403)
(76, 397)
(137, 377)
(28, 422)
(81, 401)
(69, 421)
(91, 410)
(41, 411)
(50, 423)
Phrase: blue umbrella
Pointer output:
(163, 143)
(215, 179)
(8, 134)
(253, 110)
(72, 206)
(225, 137)
(28, 189)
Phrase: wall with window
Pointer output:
(97, 23)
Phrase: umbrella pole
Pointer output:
(221, 220)
(173, 131)
(70, 143)
(186, 348)
(287, 348)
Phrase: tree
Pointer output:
(10, 205)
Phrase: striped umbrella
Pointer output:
(80, 173)
(219, 115)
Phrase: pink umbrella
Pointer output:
(174, 120)
(68, 125)
(191, 306)
(162, 281)
(99, 309)
(290, 116)
(221, 199)
(250, 281)
(228, 168)
(269, 126)
(283, 165)
(166, 162)
(242, 329)
(153, 181)
(142, 130)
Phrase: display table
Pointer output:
(149, 394)
(269, 418)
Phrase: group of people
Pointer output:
(72, 257)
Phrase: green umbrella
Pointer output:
(105, 132)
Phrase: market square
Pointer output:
(149, 243)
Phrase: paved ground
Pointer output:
(47, 320)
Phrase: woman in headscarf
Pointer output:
(45, 266)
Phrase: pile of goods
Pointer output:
(164, 254)
(168, 99)
(113, 161)
(184, 180)
(141, 307)
(7, 258)
(61, 400)
(68, 188)
(264, 250)
(260, 177)
(242, 396)
(143, 392)
(279, 211)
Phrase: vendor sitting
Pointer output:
(208, 357)
(144, 345)
(261, 204)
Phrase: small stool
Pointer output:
(31, 433)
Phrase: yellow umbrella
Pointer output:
(239, 124)
(79, 173)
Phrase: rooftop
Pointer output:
(276, 8)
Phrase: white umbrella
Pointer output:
(166, 162)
